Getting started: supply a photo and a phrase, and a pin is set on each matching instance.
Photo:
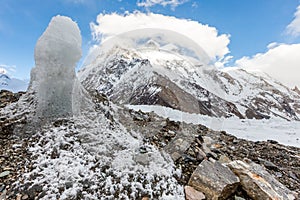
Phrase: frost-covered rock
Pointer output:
(53, 79)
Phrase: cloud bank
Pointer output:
(281, 61)
(293, 28)
(215, 45)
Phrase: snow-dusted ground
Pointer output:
(85, 158)
(285, 132)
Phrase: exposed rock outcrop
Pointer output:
(214, 180)
(258, 183)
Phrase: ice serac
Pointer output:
(53, 79)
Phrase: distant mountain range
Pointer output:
(161, 76)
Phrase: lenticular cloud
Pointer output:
(206, 37)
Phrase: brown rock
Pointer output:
(224, 159)
(177, 147)
(258, 183)
(214, 180)
(192, 194)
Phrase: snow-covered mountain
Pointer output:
(162, 75)
(12, 84)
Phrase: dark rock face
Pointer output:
(142, 88)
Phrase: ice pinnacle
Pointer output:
(53, 79)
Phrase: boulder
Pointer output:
(258, 183)
(180, 143)
(177, 148)
(192, 194)
(214, 180)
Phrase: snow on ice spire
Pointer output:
(53, 79)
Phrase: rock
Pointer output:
(69, 184)
(2, 187)
(5, 173)
(3, 195)
(192, 194)
(201, 155)
(177, 148)
(292, 175)
(208, 140)
(19, 197)
(258, 183)
(224, 159)
(238, 198)
(142, 159)
(268, 164)
(205, 148)
(214, 180)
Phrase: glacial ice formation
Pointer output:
(53, 79)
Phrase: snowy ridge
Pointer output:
(12, 84)
(126, 76)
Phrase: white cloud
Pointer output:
(150, 3)
(281, 62)
(215, 45)
(293, 28)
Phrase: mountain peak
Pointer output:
(296, 89)
(178, 79)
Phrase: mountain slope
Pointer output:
(162, 76)
(12, 84)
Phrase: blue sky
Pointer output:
(251, 24)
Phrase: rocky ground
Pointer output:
(7, 97)
(192, 147)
